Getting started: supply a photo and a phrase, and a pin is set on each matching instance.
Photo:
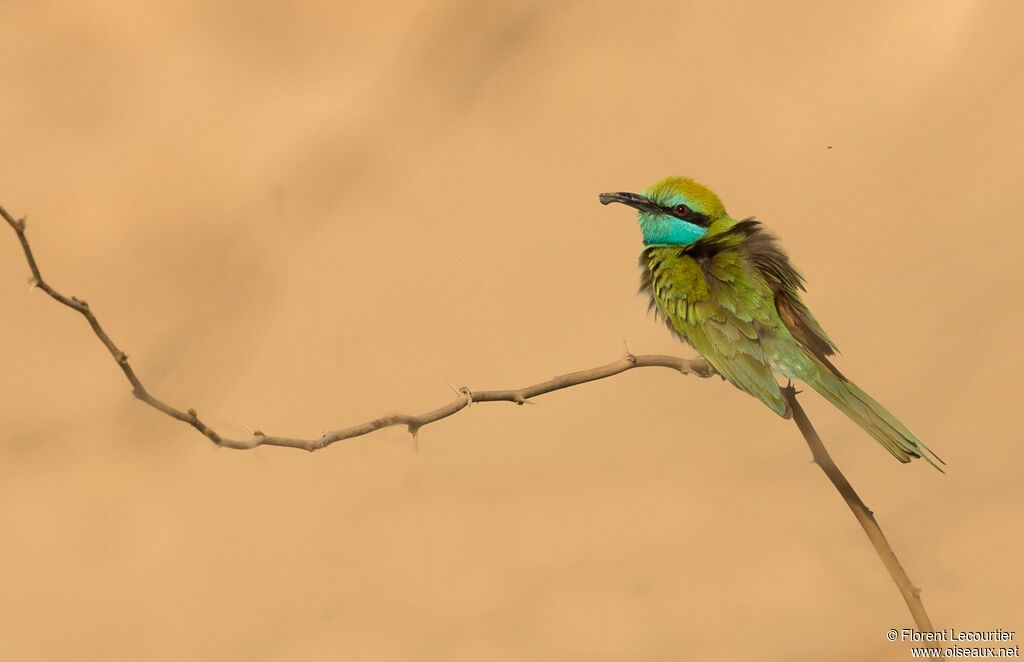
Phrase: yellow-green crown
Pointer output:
(673, 191)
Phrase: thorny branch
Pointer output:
(465, 397)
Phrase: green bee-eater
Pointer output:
(727, 288)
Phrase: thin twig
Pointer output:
(911, 594)
(412, 422)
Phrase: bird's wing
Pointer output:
(722, 308)
(767, 256)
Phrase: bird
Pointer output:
(727, 288)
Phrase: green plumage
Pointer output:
(732, 294)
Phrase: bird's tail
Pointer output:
(871, 416)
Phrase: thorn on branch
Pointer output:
(192, 414)
(519, 399)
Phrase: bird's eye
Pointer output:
(681, 210)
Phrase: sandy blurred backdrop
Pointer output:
(298, 216)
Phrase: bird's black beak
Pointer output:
(633, 200)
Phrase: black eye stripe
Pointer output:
(693, 216)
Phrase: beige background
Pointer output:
(301, 217)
